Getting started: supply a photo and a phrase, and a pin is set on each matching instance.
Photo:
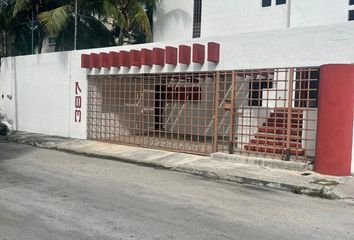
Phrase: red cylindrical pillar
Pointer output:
(335, 120)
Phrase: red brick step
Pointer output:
(276, 137)
(281, 125)
(297, 116)
(282, 131)
(269, 142)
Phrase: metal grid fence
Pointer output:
(159, 111)
(268, 112)
(264, 112)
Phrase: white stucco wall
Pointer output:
(39, 85)
(310, 46)
(318, 12)
(173, 20)
(42, 90)
(220, 17)
(43, 86)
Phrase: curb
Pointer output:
(325, 192)
(263, 162)
(320, 192)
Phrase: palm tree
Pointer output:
(131, 19)
(5, 16)
(101, 23)
(57, 19)
(17, 29)
(128, 21)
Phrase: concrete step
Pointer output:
(272, 149)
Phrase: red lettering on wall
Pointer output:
(78, 102)
(77, 115)
(77, 88)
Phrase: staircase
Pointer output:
(272, 135)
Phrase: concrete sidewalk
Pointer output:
(217, 167)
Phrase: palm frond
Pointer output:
(20, 5)
(140, 20)
(55, 20)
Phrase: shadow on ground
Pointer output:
(10, 150)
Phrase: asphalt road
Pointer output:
(53, 195)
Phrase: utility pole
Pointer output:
(75, 34)
(32, 28)
(34, 6)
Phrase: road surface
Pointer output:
(53, 195)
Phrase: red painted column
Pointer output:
(198, 53)
(213, 52)
(146, 57)
(335, 120)
(184, 56)
(85, 61)
(158, 56)
(104, 60)
(135, 58)
(171, 55)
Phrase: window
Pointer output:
(351, 2)
(52, 41)
(280, 2)
(256, 85)
(197, 18)
(351, 15)
(266, 3)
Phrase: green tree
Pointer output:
(17, 28)
(5, 18)
(131, 19)
(56, 19)
(100, 23)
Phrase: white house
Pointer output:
(238, 76)
(178, 20)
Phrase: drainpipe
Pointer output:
(289, 14)
(75, 30)
(32, 37)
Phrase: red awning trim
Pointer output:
(183, 54)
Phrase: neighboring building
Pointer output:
(246, 77)
(186, 19)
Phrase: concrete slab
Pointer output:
(346, 189)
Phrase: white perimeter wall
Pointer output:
(39, 93)
(43, 86)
